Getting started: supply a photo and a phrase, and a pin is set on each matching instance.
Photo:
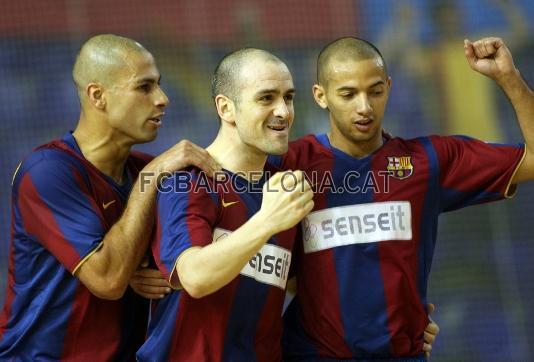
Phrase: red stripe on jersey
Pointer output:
(47, 229)
(191, 340)
(92, 322)
(198, 233)
(156, 245)
(10, 294)
(399, 259)
(462, 168)
(326, 326)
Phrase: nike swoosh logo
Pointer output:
(107, 204)
(226, 204)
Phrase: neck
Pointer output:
(101, 147)
(236, 156)
(357, 149)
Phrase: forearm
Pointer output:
(107, 272)
(205, 270)
(522, 99)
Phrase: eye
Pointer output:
(144, 87)
(346, 96)
(377, 92)
(266, 98)
(289, 97)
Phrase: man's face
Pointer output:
(264, 108)
(356, 94)
(135, 101)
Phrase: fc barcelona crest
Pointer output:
(401, 167)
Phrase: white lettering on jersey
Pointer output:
(357, 224)
(270, 265)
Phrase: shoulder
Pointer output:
(301, 152)
(309, 143)
(191, 183)
(46, 163)
(187, 192)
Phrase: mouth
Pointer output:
(156, 121)
(279, 128)
(363, 124)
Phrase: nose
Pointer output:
(161, 99)
(363, 107)
(281, 110)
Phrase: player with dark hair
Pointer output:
(76, 235)
(227, 242)
(367, 246)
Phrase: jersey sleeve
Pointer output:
(474, 172)
(56, 210)
(185, 217)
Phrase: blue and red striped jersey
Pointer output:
(62, 206)
(242, 320)
(367, 246)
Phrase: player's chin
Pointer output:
(147, 137)
(279, 149)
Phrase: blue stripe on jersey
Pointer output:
(161, 334)
(275, 160)
(428, 223)
(48, 332)
(459, 199)
(249, 300)
(365, 261)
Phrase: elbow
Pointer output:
(194, 288)
(192, 283)
(109, 290)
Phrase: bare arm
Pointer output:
(107, 271)
(491, 57)
(204, 270)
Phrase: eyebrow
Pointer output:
(148, 80)
(380, 82)
(274, 90)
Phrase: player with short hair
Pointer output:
(229, 242)
(76, 235)
(368, 244)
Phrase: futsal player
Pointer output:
(229, 242)
(76, 235)
(367, 246)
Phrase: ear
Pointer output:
(95, 94)
(319, 96)
(225, 108)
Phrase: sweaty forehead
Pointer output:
(362, 70)
(265, 73)
(136, 66)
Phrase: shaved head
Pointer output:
(227, 75)
(343, 49)
(101, 59)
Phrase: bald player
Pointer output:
(367, 247)
(76, 236)
(229, 243)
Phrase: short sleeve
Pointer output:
(473, 172)
(185, 217)
(56, 210)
